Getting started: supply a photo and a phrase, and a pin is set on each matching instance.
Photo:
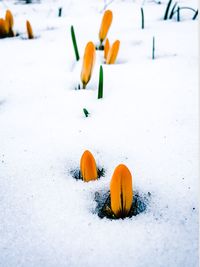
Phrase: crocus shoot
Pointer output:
(4, 28)
(74, 43)
(86, 113)
(100, 87)
(105, 25)
(113, 52)
(121, 192)
(88, 63)
(29, 30)
(88, 167)
(106, 48)
(10, 20)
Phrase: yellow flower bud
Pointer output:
(121, 192)
(105, 25)
(29, 30)
(4, 28)
(112, 54)
(106, 48)
(88, 63)
(10, 20)
(88, 167)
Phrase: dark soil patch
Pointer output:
(76, 174)
(103, 209)
(100, 47)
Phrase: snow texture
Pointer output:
(147, 119)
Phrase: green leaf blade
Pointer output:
(74, 43)
(100, 88)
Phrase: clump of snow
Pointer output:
(148, 120)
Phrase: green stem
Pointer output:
(173, 11)
(167, 10)
(142, 16)
(74, 43)
(86, 112)
(178, 14)
(60, 12)
(100, 88)
(153, 48)
(195, 15)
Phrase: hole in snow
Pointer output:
(76, 174)
(103, 208)
(99, 47)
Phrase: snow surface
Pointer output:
(148, 120)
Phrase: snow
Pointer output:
(148, 120)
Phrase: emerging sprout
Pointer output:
(153, 48)
(85, 111)
(10, 21)
(100, 87)
(142, 17)
(88, 63)
(106, 48)
(121, 192)
(167, 9)
(105, 25)
(88, 167)
(60, 12)
(112, 53)
(74, 43)
(4, 28)
(29, 30)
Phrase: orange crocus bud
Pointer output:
(29, 30)
(10, 20)
(88, 63)
(105, 25)
(106, 48)
(112, 54)
(4, 28)
(88, 167)
(121, 192)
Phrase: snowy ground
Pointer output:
(148, 120)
